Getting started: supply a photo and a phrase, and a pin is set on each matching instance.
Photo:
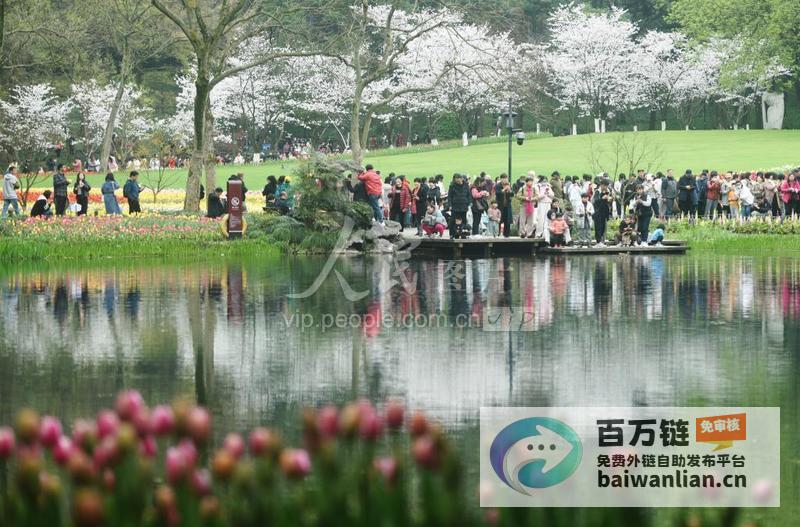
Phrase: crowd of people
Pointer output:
(574, 210)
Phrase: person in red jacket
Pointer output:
(401, 205)
(374, 187)
(790, 195)
(712, 195)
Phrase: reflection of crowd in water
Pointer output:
(647, 288)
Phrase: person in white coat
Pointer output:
(545, 193)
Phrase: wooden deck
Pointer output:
(485, 247)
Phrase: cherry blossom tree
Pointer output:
(32, 120)
(479, 79)
(674, 75)
(591, 58)
(743, 76)
(96, 103)
(217, 31)
(389, 53)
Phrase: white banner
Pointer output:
(630, 457)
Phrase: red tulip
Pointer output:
(107, 424)
(370, 425)
(264, 441)
(7, 442)
(295, 463)
(395, 414)
(49, 431)
(328, 421)
(418, 424)
(198, 424)
(62, 450)
(162, 420)
(425, 452)
(235, 445)
(148, 447)
(129, 404)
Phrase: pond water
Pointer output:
(252, 340)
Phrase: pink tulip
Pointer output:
(234, 444)
(129, 404)
(328, 421)
(107, 424)
(189, 451)
(62, 450)
(295, 463)
(162, 420)
(106, 452)
(49, 431)
(198, 424)
(263, 441)
(386, 467)
(7, 442)
(83, 431)
(424, 451)
(395, 415)
(370, 425)
(148, 447)
(176, 465)
(201, 482)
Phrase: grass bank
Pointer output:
(734, 238)
(712, 149)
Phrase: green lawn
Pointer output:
(720, 150)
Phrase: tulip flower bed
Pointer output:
(147, 234)
(140, 466)
(356, 466)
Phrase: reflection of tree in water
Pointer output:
(645, 330)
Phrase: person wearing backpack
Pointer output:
(131, 192)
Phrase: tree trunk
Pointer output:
(105, 151)
(356, 144)
(191, 201)
(2, 23)
(210, 158)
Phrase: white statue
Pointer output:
(772, 110)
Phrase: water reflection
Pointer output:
(655, 330)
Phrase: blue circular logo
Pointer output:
(535, 453)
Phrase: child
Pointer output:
(494, 220)
(282, 204)
(433, 222)
(558, 227)
(583, 211)
(657, 236)
(460, 231)
(628, 236)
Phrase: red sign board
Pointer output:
(235, 208)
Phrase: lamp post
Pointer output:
(512, 132)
